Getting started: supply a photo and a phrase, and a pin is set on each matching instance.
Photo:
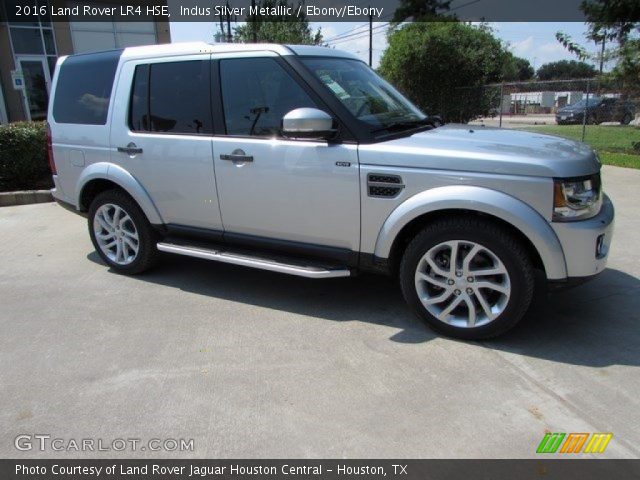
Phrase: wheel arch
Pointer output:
(528, 225)
(104, 176)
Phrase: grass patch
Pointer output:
(614, 143)
(620, 159)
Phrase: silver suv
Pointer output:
(302, 160)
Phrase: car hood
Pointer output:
(485, 150)
(574, 110)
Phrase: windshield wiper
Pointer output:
(402, 125)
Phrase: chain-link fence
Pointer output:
(600, 102)
(604, 114)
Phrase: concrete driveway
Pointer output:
(255, 364)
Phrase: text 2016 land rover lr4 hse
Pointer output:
(301, 160)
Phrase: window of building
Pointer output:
(31, 38)
(84, 88)
(256, 94)
(106, 35)
(172, 97)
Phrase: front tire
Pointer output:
(121, 233)
(467, 278)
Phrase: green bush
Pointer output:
(23, 156)
(443, 66)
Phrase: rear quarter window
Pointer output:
(84, 86)
(172, 97)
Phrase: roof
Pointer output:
(192, 48)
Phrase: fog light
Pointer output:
(601, 250)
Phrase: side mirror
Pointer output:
(308, 123)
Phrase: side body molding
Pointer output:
(119, 176)
(491, 202)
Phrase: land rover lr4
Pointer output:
(302, 160)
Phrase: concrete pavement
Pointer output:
(256, 364)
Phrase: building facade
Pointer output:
(28, 50)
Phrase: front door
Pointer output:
(293, 190)
(37, 84)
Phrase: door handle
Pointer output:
(130, 149)
(237, 155)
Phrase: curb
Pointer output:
(25, 197)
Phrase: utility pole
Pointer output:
(229, 38)
(370, 39)
(604, 41)
(221, 37)
(254, 33)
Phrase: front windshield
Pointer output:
(367, 96)
(583, 103)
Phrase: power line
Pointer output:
(347, 34)
(358, 35)
(341, 35)
(464, 5)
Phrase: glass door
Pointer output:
(3, 108)
(36, 85)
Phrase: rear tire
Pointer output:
(467, 278)
(121, 233)
(626, 120)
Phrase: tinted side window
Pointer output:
(256, 94)
(139, 103)
(84, 88)
(179, 97)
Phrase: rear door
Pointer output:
(161, 134)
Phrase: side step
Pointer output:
(246, 260)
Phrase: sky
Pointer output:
(534, 41)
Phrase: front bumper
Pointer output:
(567, 120)
(586, 242)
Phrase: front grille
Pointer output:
(384, 186)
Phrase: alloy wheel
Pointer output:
(462, 283)
(116, 234)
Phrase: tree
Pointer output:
(517, 69)
(419, 10)
(611, 21)
(279, 29)
(443, 66)
(566, 70)
(615, 20)
(627, 70)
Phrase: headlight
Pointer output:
(576, 198)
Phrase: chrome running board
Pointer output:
(309, 271)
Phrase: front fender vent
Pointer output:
(384, 186)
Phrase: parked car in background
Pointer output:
(598, 110)
(302, 160)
